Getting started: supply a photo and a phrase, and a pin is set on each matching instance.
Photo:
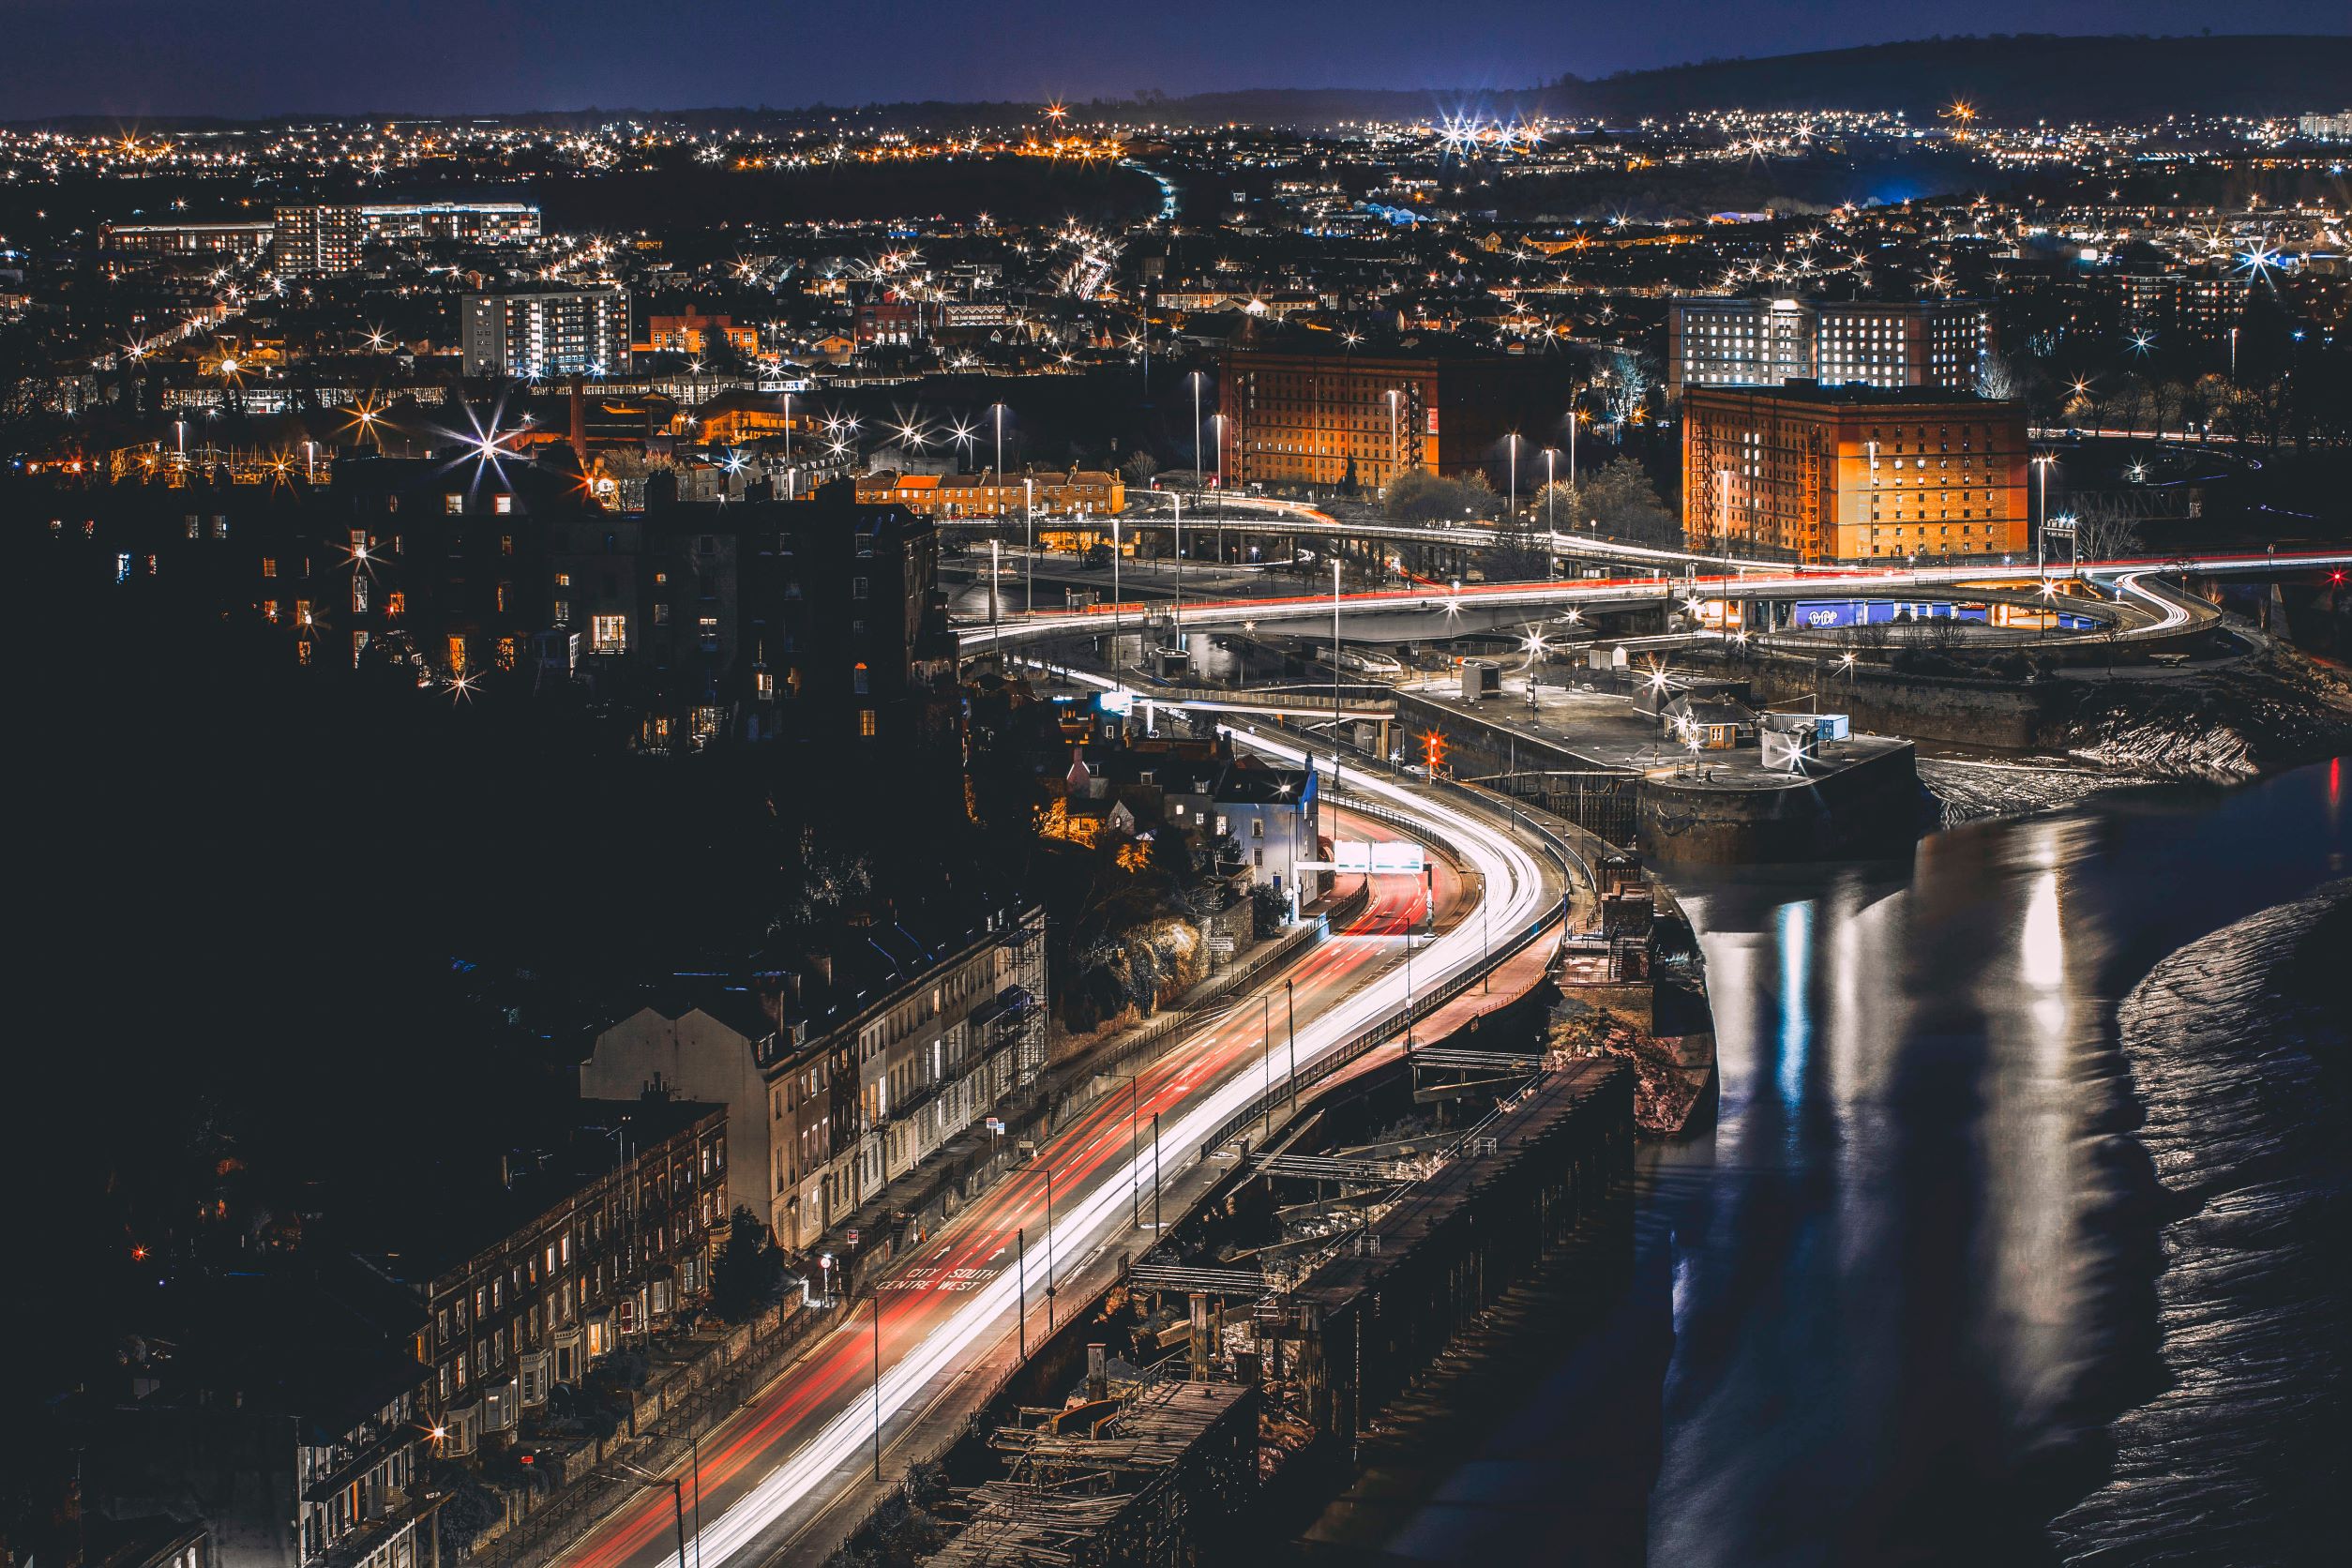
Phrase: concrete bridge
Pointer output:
(1433, 613)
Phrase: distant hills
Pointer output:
(2010, 79)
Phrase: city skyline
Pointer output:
(1445, 820)
(240, 58)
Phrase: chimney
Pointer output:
(580, 420)
(778, 990)
(823, 964)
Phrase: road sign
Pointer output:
(852, 1238)
(996, 1124)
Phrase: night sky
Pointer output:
(249, 58)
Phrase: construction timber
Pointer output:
(1156, 1480)
(1367, 1320)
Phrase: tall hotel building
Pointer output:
(1811, 472)
(1763, 342)
(547, 332)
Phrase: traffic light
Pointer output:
(1433, 751)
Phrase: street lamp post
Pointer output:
(1020, 1287)
(1199, 465)
(1114, 596)
(1156, 1170)
(1265, 1054)
(1334, 669)
(1049, 1244)
(1548, 484)
(1511, 444)
(1029, 526)
(1290, 1007)
(1179, 500)
(2044, 463)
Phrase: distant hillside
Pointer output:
(2011, 80)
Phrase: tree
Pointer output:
(749, 1273)
(1139, 467)
(1424, 497)
(1620, 499)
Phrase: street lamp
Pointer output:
(1335, 671)
(2043, 462)
(1179, 500)
(1199, 465)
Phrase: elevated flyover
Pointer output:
(1418, 612)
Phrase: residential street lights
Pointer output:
(2042, 463)
(677, 1498)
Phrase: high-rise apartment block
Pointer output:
(547, 332)
(1814, 473)
(1764, 343)
(328, 236)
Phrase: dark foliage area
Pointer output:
(292, 942)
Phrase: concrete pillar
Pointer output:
(1097, 1372)
(1204, 1342)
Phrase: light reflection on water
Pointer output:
(1892, 1269)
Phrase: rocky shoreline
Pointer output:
(2233, 1045)
(2229, 726)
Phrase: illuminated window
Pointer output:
(269, 565)
(457, 655)
(858, 680)
(865, 722)
(502, 504)
(359, 592)
(608, 634)
(269, 609)
(453, 502)
(563, 613)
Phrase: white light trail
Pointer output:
(1504, 864)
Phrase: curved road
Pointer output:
(776, 1467)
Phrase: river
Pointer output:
(1923, 1286)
